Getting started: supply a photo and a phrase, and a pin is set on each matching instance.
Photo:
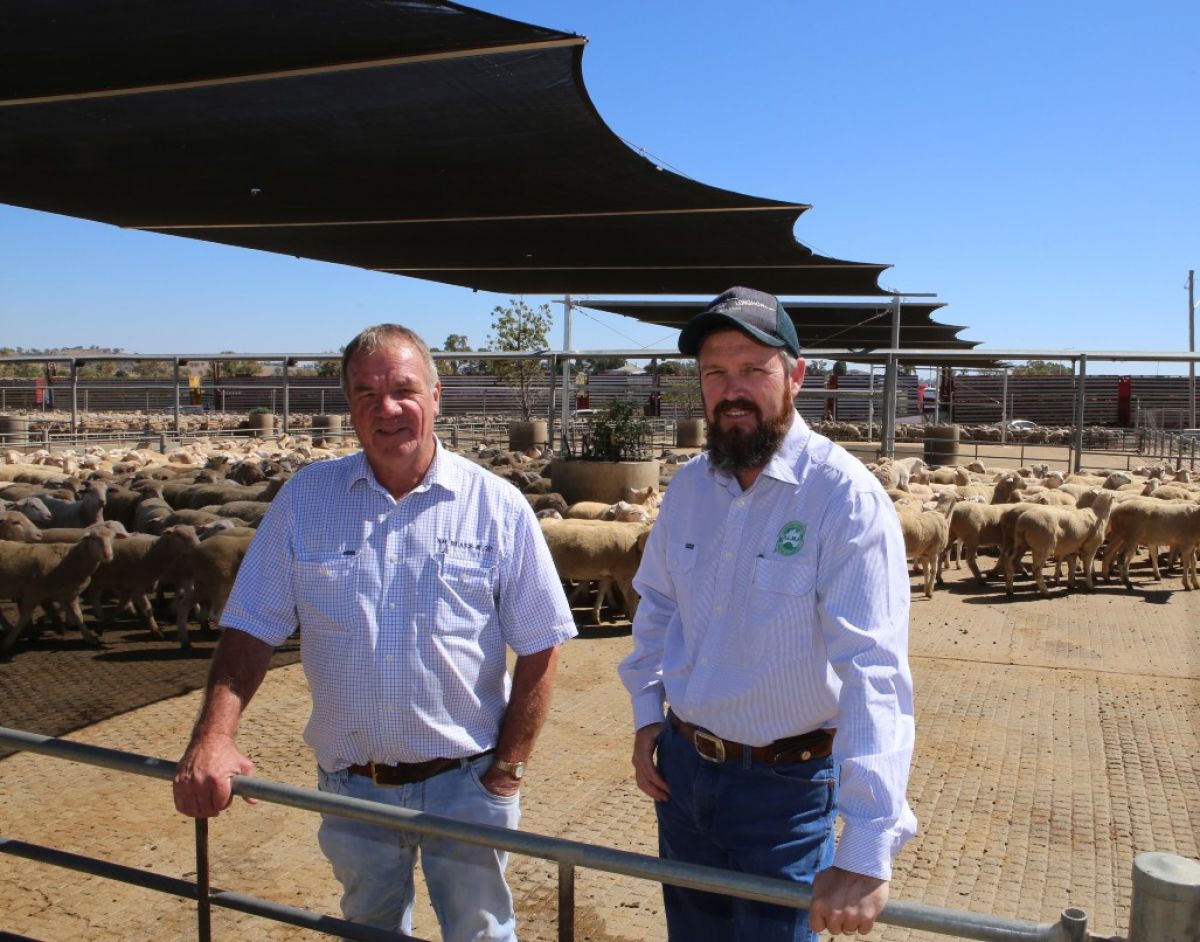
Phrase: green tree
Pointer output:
(18, 370)
(329, 368)
(454, 343)
(519, 327)
(1042, 368)
(153, 369)
(239, 367)
(673, 368)
(592, 365)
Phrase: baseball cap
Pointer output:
(755, 313)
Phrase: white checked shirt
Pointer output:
(405, 607)
(778, 610)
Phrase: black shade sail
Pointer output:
(855, 325)
(418, 137)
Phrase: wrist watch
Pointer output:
(515, 769)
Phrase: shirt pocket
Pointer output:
(782, 608)
(681, 564)
(467, 584)
(326, 593)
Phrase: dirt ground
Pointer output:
(1057, 739)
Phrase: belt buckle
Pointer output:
(717, 742)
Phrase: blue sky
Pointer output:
(1034, 164)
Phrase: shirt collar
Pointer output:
(442, 472)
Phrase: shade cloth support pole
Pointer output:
(176, 386)
(1004, 408)
(889, 411)
(568, 315)
(1077, 437)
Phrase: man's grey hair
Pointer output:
(385, 335)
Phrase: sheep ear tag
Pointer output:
(791, 538)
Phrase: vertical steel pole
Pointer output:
(1080, 387)
(889, 412)
(552, 363)
(568, 396)
(1004, 408)
(203, 904)
(176, 374)
(566, 902)
(1191, 348)
(870, 401)
(1165, 906)
(74, 398)
(287, 396)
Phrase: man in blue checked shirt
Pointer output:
(410, 571)
(774, 624)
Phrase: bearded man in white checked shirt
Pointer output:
(410, 571)
(774, 622)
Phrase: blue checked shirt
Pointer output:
(404, 607)
(778, 610)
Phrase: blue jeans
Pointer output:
(375, 864)
(772, 820)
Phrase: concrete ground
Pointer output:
(1057, 739)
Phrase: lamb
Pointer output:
(1061, 532)
(34, 509)
(1154, 523)
(75, 534)
(17, 528)
(1116, 480)
(150, 514)
(595, 550)
(135, 569)
(926, 535)
(251, 511)
(33, 575)
(949, 475)
(975, 525)
(207, 574)
(85, 511)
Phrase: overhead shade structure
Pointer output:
(856, 325)
(420, 137)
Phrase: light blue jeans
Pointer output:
(771, 820)
(375, 864)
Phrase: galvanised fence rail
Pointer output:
(1168, 898)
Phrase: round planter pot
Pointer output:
(14, 430)
(941, 445)
(604, 481)
(689, 433)
(327, 428)
(263, 422)
(522, 435)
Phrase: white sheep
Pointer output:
(204, 577)
(1153, 523)
(595, 550)
(33, 574)
(1061, 532)
(926, 536)
(85, 511)
(133, 572)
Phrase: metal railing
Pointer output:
(569, 855)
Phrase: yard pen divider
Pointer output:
(1071, 927)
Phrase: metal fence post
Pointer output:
(1166, 899)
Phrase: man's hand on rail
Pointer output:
(202, 778)
(846, 902)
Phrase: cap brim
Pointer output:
(692, 335)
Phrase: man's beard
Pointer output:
(735, 449)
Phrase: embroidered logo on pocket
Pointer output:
(791, 538)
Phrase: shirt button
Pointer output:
(393, 558)
(704, 662)
(389, 658)
(727, 555)
(392, 605)
(389, 707)
(720, 608)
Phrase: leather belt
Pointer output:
(409, 773)
(815, 745)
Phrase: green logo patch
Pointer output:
(791, 538)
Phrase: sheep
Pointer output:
(926, 535)
(85, 511)
(1051, 498)
(1173, 492)
(595, 550)
(251, 511)
(552, 501)
(34, 509)
(32, 574)
(949, 475)
(135, 569)
(587, 510)
(1007, 485)
(150, 514)
(1153, 523)
(974, 525)
(75, 534)
(1116, 480)
(123, 502)
(17, 528)
(1065, 533)
(207, 573)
